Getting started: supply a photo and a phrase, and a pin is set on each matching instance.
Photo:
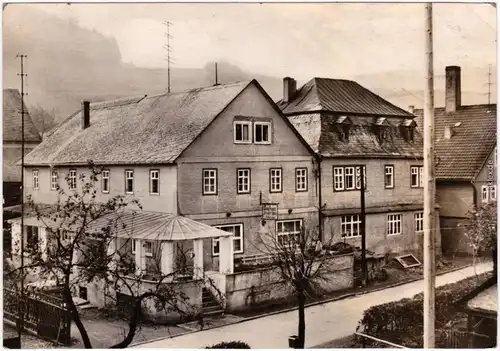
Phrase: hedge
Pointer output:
(230, 345)
(401, 322)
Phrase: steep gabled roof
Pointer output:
(154, 129)
(339, 96)
(12, 122)
(463, 155)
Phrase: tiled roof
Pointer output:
(463, 155)
(320, 131)
(12, 121)
(341, 96)
(153, 129)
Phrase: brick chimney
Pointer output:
(289, 89)
(411, 109)
(453, 88)
(85, 114)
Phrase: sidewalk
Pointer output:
(324, 322)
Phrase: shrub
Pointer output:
(401, 321)
(230, 345)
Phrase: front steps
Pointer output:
(211, 307)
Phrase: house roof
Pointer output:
(463, 155)
(339, 96)
(140, 130)
(482, 299)
(12, 121)
(321, 132)
(146, 225)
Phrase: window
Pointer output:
(393, 224)
(484, 193)
(419, 222)
(133, 245)
(148, 248)
(129, 181)
(243, 180)
(262, 133)
(32, 238)
(237, 230)
(209, 182)
(54, 179)
(493, 193)
(36, 180)
(72, 179)
(288, 231)
(154, 181)
(105, 181)
(275, 180)
(417, 176)
(300, 179)
(242, 132)
(349, 178)
(338, 178)
(350, 226)
(389, 177)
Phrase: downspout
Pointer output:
(320, 206)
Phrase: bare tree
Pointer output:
(80, 248)
(44, 120)
(303, 263)
(481, 231)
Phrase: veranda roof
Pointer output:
(148, 225)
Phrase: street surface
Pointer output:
(324, 322)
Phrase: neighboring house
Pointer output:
(12, 148)
(213, 155)
(465, 146)
(350, 127)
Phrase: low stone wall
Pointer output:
(245, 290)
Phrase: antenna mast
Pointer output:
(216, 75)
(489, 84)
(168, 48)
(21, 298)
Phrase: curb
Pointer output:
(333, 299)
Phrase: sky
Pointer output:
(329, 40)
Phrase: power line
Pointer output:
(168, 48)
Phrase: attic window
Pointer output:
(382, 133)
(343, 124)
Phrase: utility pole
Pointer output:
(168, 48)
(429, 189)
(364, 268)
(489, 84)
(20, 325)
(216, 75)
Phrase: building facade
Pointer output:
(466, 169)
(350, 127)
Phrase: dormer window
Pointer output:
(407, 129)
(343, 126)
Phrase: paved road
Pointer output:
(323, 322)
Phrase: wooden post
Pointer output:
(429, 189)
(364, 268)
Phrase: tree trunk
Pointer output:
(302, 321)
(495, 259)
(76, 317)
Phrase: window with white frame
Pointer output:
(242, 132)
(417, 176)
(243, 179)
(237, 230)
(209, 181)
(419, 222)
(394, 224)
(389, 177)
(36, 179)
(349, 226)
(349, 178)
(134, 243)
(72, 179)
(105, 181)
(288, 231)
(275, 180)
(493, 193)
(338, 178)
(148, 248)
(129, 181)
(300, 179)
(484, 194)
(154, 181)
(262, 132)
(31, 238)
(54, 179)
